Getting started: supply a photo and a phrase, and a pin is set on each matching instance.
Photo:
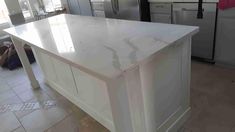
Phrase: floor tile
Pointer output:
(8, 122)
(20, 114)
(11, 100)
(40, 120)
(4, 86)
(69, 124)
(16, 80)
(20, 129)
(34, 95)
(7, 95)
(73, 124)
(212, 103)
(22, 88)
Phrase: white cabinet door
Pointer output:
(161, 12)
(93, 92)
(161, 18)
(99, 13)
(225, 42)
(64, 76)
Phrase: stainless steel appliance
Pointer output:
(80, 7)
(127, 9)
(203, 43)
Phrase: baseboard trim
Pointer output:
(180, 121)
(174, 122)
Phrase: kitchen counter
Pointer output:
(130, 76)
(110, 39)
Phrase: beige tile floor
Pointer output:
(61, 117)
(212, 101)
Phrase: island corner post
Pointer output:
(19, 46)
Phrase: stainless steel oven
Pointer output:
(203, 43)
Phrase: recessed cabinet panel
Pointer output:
(64, 76)
(46, 66)
(160, 8)
(161, 79)
(99, 13)
(93, 92)
(161, 18)
(98, 6)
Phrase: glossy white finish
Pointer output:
(105, 47)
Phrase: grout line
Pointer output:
(17, 95)
(19, 122)
(69, 114)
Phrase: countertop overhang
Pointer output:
(106, 47)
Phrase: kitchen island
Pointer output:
(130, 76)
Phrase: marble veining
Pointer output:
(107, 47)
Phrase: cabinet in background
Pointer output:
(225, 40)
(80, 7)
(98, 8)
(161, 12)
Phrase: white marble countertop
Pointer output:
(106, 47)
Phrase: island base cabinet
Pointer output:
(153, 97)
(93, 96)
(87, 92)
(56, 72)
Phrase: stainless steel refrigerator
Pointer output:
(127, 9)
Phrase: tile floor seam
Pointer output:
(17, 95)
(10, 97)
(19, 122)
(26, 114)
(69, 114)
(18, 128)
(18, 84)
(47, 94)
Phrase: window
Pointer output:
(51, 5)
(3, 12)
(26, 9)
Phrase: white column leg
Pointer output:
(19, 46)
(127, 102)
